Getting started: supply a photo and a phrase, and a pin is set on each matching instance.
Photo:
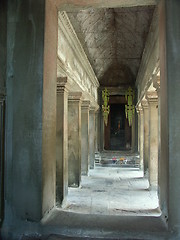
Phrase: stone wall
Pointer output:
(31, 112)
(150, 59)
(72, 59)
(3, 50)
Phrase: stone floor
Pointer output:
(113, 191)
(112, 203)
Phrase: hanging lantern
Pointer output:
(129, 108)
(105, 106)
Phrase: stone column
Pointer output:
(156, 84)
(96, 130)
(30, 171)
(92, 137)
(74, 139)
(101, 120)
(101, 123)
(141, 140)
(152, 98)
(145, 107)
(133, 134)
(61, 141)
(138, 113)
(169, 23)
(85, 137)
(2, 151)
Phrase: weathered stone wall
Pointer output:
(170, 114)
(3, 49)
(74, 61)
(150, 58)
(49, 72)
(31, 110)
(24, 108)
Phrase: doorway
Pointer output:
(120, 132)
(117, 133)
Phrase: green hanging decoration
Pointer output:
(129, 108)
(105, 106)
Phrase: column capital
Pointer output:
(144, 104)
(93, 109)
(152, 97)
(156, 83)
(85, 105)
(98, 110)
(139, 109)
(62, 84)
(75, 97)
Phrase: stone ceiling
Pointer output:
(113, 39)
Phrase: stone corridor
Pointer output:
(79, 79)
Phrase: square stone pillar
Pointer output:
(156, 85)
(169, 27)
(133, 134)
(141, 139)
(74, 139)
(30, 171)
(96, 130)
(61, 141)
(2, 152)
(152, 98)
(138, 114)
(85, 137)
(145, 107)
(101, 137)
(92, 137)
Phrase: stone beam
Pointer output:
(79, 4)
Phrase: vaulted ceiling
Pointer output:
(113, 40)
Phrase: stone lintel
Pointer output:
(152, 97)
(75, 96)
(144, 104)
(120, 90)
(105, 4)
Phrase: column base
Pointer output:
(84, 173)
(146, 174)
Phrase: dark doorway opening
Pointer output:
(117, 132)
